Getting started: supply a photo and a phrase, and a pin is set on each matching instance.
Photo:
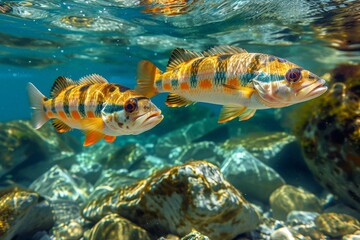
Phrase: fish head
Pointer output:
(138, 114)
(284, 84)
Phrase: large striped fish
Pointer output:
(100, 109)
(243, 82)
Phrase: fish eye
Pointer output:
(131, 105)
(293, 75)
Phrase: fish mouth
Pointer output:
(149, 120)
(314, 90)
(155, 117)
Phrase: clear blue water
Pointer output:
(38, 44)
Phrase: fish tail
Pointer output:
(147, 72)
(38, 117)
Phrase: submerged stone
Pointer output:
(68, 220)
(289, 198)
(58, 183)
(336, 224)
(330, 135)
(109, 181)
(176, 200)
(249, 175)
(23, 213)
(208, 151)
(184, 136)
(20, 143)
(115, 227)
(195, 235)
(263, 145)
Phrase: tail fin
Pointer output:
(146, 75)
(38, 117)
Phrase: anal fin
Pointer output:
(174, 100)
(109, 139)
(92, 137)
(60, 126)
(92, 124)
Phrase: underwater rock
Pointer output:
(195, 235)
(150, 165)
(303, 225)
(58, 183)
(264, 230)
(194, 195)
(115, 227)
(23, 213)
(289, 198)
(342, 208)
(355, 236)
(184, 136)
(207, 151)
(336, 224)
(295, 218)
(90, 171)
(330, 135)
(127, 157)
(109, 181)
(20, 142)
(68, 220)
(282, 234)
(264, 146)
(169, 237)
(249, 175)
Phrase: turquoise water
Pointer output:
(38, 43)
(41, 40)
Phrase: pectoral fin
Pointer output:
(92, 124)
(109, 139)
(245, 91)
(92, 137)
(174, 100)
(232, 111)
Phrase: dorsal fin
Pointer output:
(60, 84)
(225, 49)
(180, 55)
(93, 78)
(60, 126)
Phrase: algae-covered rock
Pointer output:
(329, 131)
(336, 224)
(289, 198)
(23, 213)
(115, 227)
(249, 175)
(192, 195)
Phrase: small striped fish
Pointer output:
(100, 109)
(243, 82)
